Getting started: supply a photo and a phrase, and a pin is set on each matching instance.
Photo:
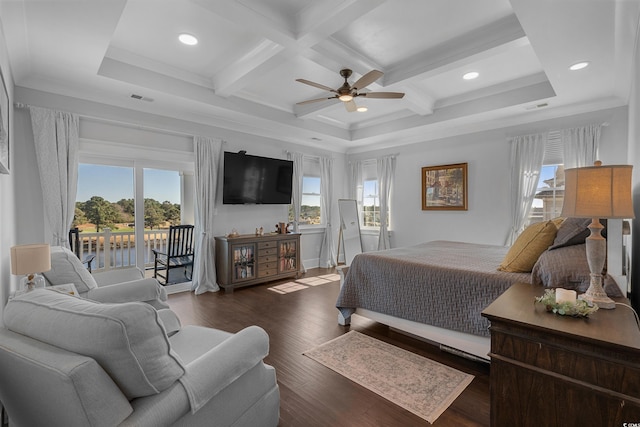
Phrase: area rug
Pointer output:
(417, 384)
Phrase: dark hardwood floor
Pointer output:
(311, 394)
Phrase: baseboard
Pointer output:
(178, 287)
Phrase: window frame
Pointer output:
(310, 169)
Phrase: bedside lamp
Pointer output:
(29, 260)
(597, 192)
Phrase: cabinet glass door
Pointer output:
(243, 261)
(287, 256)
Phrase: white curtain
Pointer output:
(208, 152)
(327, 250)
(355, 179)
(527, 154)
(580, 146)
(55, 135)
(386, 171)
(296, 190)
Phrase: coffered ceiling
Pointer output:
(242, 73)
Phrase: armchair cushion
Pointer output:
(128, 340)
(145, 290)
(233, 355)
(118, 275)
(69, 388)
(67, 268)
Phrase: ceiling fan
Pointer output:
(346, 92)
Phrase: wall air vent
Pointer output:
(141, 98)
(535, 107)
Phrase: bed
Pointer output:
(429, 284)
(437, 290)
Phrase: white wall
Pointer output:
(7, 191)
(487, 154)
(634, 157)
(160, 139)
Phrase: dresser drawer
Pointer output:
(556, 354)
(271, 265)
(267, 245)
(267, 258)
(266, 272)
(268, 251)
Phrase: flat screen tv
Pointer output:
(256, 180)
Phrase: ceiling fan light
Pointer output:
(345, 98)
(362, 109)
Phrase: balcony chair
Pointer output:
(178, 254)
(75, 244)
(128, 365)
(118, 285)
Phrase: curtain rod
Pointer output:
(21, 105)
(311, 156)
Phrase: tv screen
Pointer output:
(256, 180)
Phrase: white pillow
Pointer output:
(127, 339)
(67, 268)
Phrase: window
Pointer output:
(549, 197)
(370, 203)
(310, 213)
(547, 203)
(369, 196)
(106, 199)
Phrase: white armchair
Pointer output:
(68, 361)
(115, 286)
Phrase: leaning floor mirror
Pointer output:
(350, 238)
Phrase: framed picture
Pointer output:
(4, 126)
(444, 187)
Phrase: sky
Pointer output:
(114, 183)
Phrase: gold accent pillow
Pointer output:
(528, 247)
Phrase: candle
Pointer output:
(565, 295)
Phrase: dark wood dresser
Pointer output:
(551, 370)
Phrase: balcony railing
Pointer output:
(118, 249)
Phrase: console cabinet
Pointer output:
(551, 370)
(249, 259)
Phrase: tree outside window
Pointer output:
(310, 206)
(370, 203)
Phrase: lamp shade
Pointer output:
(29, 259)
(598, 192)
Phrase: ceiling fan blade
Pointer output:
(311, 101)
(350, 106)
(382, 94)
(318, 85)
(367, 79)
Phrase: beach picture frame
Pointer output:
(444, 187)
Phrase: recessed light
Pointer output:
(362, 109)
(579, 65)
(471, 75)
(188, 39)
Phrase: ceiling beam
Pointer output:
(281, 41)
(486, 41)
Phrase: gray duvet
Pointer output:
(440, 283)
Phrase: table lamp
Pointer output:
(29, 260)
(597, 192)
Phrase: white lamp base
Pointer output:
(596, 256)
(596, 294)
